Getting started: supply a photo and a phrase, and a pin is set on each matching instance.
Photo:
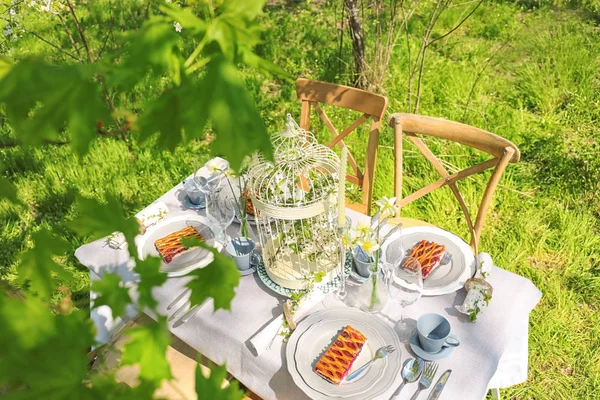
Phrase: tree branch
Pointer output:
(68, 32)
(112, 22)
(480, 73)
(457, 25)
(52, 44)
(80, 30)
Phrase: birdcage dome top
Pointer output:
(304, 173)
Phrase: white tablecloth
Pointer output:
(493, 352)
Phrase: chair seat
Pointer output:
(182, 360)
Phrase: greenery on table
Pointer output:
(527, 71)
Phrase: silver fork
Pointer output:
(426, 378)
(380, 353)
(446, 259)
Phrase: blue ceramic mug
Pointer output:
(434, 333)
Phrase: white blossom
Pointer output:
(177, 26)
(368, 244)
(387, 206)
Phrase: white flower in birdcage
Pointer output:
(295, 199)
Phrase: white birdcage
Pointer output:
(295, 202)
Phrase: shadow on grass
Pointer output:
(54, 207)
(10, 246)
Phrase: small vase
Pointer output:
(373, 294)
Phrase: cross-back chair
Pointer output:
(501, 150)
(371, 105)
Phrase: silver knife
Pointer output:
(439, 386)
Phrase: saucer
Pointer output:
(188, 204)
(416, 348)
(249, 271)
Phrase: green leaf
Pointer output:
(150, 277)
(8, 191)
(42, 100)
(106, 386)
(99, 220)
(210, 388)
(166, 115)
(253, 60)
(37, 264)
(57, 366)
(25, 323)
(217, 280)
(5, 65)
(189, 22)
(148, 347)
(249, 9)
(239, 127)
(154, 47)
(111, 293)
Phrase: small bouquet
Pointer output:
(367, 236)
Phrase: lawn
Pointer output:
(529, 75)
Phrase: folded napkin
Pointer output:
(263, 338)
(149, 216)
(152, 214)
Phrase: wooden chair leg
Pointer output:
(495, 393)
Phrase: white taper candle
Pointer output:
(342, 188)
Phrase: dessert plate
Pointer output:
(313, 336)
(446, 278)
(189, 261)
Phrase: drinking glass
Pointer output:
(221, 209)
(342, 231)
(405, 287)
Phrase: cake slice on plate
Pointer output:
(337, 361)
(170, 246)
(429, 254)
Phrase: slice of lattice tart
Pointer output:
(335, 364)
(429, 255)
(170, 246)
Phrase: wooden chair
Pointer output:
(371, 105)
(501, 150)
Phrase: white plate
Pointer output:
(314, 335)
(187, 262)
(446, 278)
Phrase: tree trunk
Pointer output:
(358, 44)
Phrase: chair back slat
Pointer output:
(341, 96)
(371, 105)
(502, 151)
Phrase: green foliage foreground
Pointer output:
(530, 75)
(46, 100)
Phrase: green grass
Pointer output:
(541, 90)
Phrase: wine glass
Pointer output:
(342, 231)
(221, 209)
(405, 287)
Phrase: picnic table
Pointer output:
(493, 351)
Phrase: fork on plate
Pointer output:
(426, 378)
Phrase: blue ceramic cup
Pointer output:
(434, 333)
(194, 193)
(240, 249)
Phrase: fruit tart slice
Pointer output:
(170, 246)
(335, 364)
(429, 255)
